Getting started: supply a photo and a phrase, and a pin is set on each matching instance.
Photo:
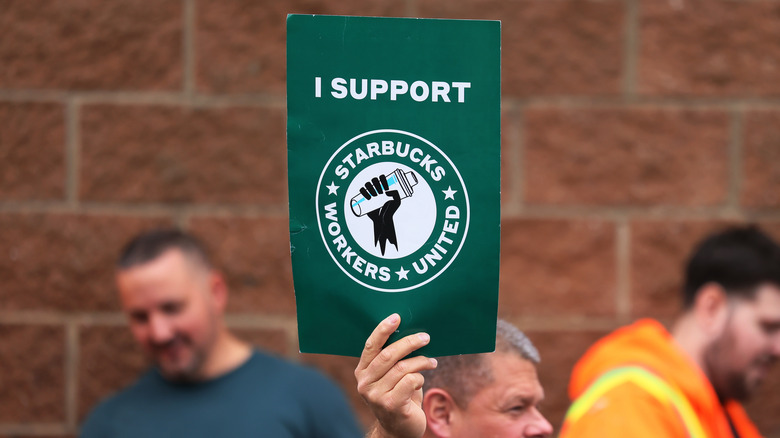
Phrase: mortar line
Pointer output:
(194, 210)
(131, 97)
(630, 49)
(72, 152)
(623, 270)
(9, 95)
(151, 209)
(182, 220)
(39, 429)
(37, 318)
(642, 102)
(253, 320)
(259, 100)
(71, 375)
(736, 129)
(115, 319)
(758, 215)
(411, 8)
(616, 213)
(565, 323)
(188, 48)
(517, 150)
(293, 348)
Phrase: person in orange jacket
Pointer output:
(643, 381)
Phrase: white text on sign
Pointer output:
(419, 91)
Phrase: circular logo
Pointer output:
(392, 210)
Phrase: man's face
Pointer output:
(508, 407)
(741, 357)
(172, 312)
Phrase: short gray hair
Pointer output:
(509, 339)
(462, 376)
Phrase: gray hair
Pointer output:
(462, 376)
(509, 339)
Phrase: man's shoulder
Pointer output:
(284, 371)
(133, 394)
(623, 410)
(626, 408)
(132, 391)
(301, 394)
(265, 393)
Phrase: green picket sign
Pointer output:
(394, 151)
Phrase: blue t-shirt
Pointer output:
(264, 397)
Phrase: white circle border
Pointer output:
(319, 222)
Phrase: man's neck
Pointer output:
(690, 340)
(227, 354)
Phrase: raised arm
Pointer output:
(392, 385)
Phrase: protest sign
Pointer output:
(393, 135)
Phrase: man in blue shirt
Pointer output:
(205, 382)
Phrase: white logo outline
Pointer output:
(322, 232)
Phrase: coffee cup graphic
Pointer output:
(398, 180)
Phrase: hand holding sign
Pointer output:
(392, 385)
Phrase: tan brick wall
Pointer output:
(631, 128)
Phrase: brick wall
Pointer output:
(631, 128)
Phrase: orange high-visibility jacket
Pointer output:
(636, 382)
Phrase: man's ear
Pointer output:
(440, 411)
(219, 290)
(711, 309)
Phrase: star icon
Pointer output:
(449, 193)
(332, 188)
(402, 273)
